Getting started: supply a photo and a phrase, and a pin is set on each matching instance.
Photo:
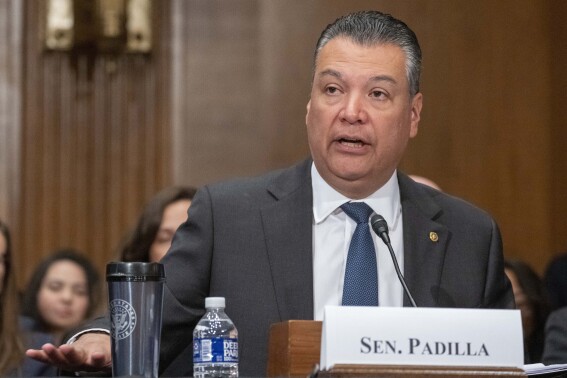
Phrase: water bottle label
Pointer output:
(215, 349)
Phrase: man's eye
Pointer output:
(377, 94)
(331, 90)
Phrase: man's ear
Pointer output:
(416, 104)
(308, 109)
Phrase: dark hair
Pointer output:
(137, 245)
(11, 343)
(538, 300)
(30, 307)
(369, 28)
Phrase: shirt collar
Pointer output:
(385, 201)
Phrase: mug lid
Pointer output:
(138, 271)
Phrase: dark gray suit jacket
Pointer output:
(250, 241)
(555, 350)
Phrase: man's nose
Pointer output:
(354, 111)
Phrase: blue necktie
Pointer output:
(361, 278)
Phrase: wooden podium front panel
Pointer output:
(294, 348)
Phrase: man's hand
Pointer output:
(91, 352)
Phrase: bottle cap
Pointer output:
(134, 271)
(214, 302)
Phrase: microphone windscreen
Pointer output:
(378, 224)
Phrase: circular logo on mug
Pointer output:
(122, 319)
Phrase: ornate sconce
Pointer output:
(110, 26)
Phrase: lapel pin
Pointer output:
(433, 236)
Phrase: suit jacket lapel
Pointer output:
(425, 243)
(288, 232)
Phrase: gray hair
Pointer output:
(369, 28)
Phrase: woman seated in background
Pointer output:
(533, 302)
(62, 292)
(13, 341)
(161, 217)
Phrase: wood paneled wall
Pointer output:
(217, 99)
(557, 156)
(486, 130)
(224, 95)
(491, 130)
(96, 143)
(11, 16)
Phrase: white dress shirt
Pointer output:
(332, 231)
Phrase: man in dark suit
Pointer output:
(275, 246)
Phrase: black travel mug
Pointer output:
(135, 293)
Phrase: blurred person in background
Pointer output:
(533, 302)
(555, 351)
(161, 217)
(62, 292)
(13, 341)
(425, 181)
(555, 279)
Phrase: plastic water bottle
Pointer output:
(215, 342)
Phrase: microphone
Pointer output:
(380, 227)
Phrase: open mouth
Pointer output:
(353, 143)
